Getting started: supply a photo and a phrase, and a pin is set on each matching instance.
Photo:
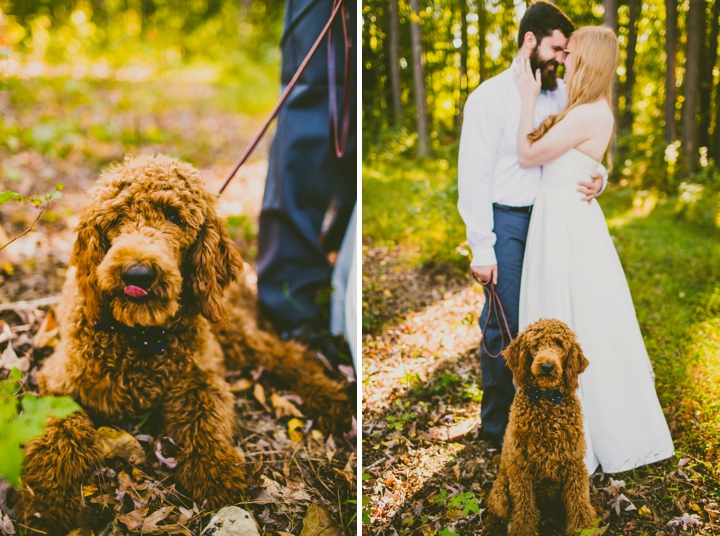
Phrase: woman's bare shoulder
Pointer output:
(598, 112)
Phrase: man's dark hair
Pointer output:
(542, 18)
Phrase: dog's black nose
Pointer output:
(547, 368)
(139, 275)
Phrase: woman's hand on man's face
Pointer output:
(528, 83)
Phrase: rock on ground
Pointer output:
(231, 521)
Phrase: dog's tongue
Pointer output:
(135, 292)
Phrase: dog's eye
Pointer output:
(172, 215)
(559, 344)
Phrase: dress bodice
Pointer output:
(567, 170)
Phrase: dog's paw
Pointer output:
(213, 479)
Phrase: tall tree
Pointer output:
(634, 8)
(707, 65)
(695, 40)
(610, 20)
(463, 61)
(394, 50)
(482, 28)
(671, 35)
(419, 78)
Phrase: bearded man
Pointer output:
(496, 194)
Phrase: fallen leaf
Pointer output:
(259, 394)
(686, 520)
(295, 427)
(7, 267)
(120, 444)
(7, 333)
(134, 519)
(645, 511)
(243, 384)
(9, 359)
(47, 334)
(169, 462)
(156, 517)
(283, 407)
(89, 490)
(318, 521)
(6, 525)
(330, 448)
(265, 517)
(348, 372)
(281, 533)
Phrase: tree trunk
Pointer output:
(707, 65)
(419, 77)
(610, 20)
(671, 32)
(482, 26)
(692, 64)
(395, 61)
(463, 61)
(634, 7)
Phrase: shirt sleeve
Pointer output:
(601, 169)
(479, 142)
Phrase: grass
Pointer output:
(673, 269)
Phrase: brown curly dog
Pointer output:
(149, 271)
(542, 461)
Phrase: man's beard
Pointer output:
(547, 76)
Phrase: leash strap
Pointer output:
(339, 144)
(494, 305)
(337, 7)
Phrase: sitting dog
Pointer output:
(542, 461)
(141, 333)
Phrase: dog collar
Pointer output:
(151, 337)
(535, 393)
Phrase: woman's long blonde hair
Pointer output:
(596, 54)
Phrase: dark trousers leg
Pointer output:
(511, 230)
(304, 175)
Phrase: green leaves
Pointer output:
(37, 199)
(17, 429)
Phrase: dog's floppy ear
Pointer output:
(516, 357)
(87, 254)
(213, 263)
(575, 364)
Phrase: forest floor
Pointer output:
(63, 127)
(426, 469)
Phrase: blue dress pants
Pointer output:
(305, 177)
(511, 230)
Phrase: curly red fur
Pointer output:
(114, 378)
(542, 460)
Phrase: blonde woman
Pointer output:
(571, 270)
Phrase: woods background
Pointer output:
(426, 468)
(421, 60)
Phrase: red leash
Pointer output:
(494, 305)
(340, 145)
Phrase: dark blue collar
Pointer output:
(535, 393)
(153, 338)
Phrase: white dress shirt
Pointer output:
(488, 166)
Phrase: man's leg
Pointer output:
(304, 175)
(498, 391)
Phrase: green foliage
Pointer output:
(467, 502)
(421, 213)
(445, 382)
(244, 230)
(398, 423)
(37, 199)
(366, 501)
(17, 429)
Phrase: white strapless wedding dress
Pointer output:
(572, 272)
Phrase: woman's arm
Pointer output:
(574, 129)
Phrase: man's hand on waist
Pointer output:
(591, 189)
